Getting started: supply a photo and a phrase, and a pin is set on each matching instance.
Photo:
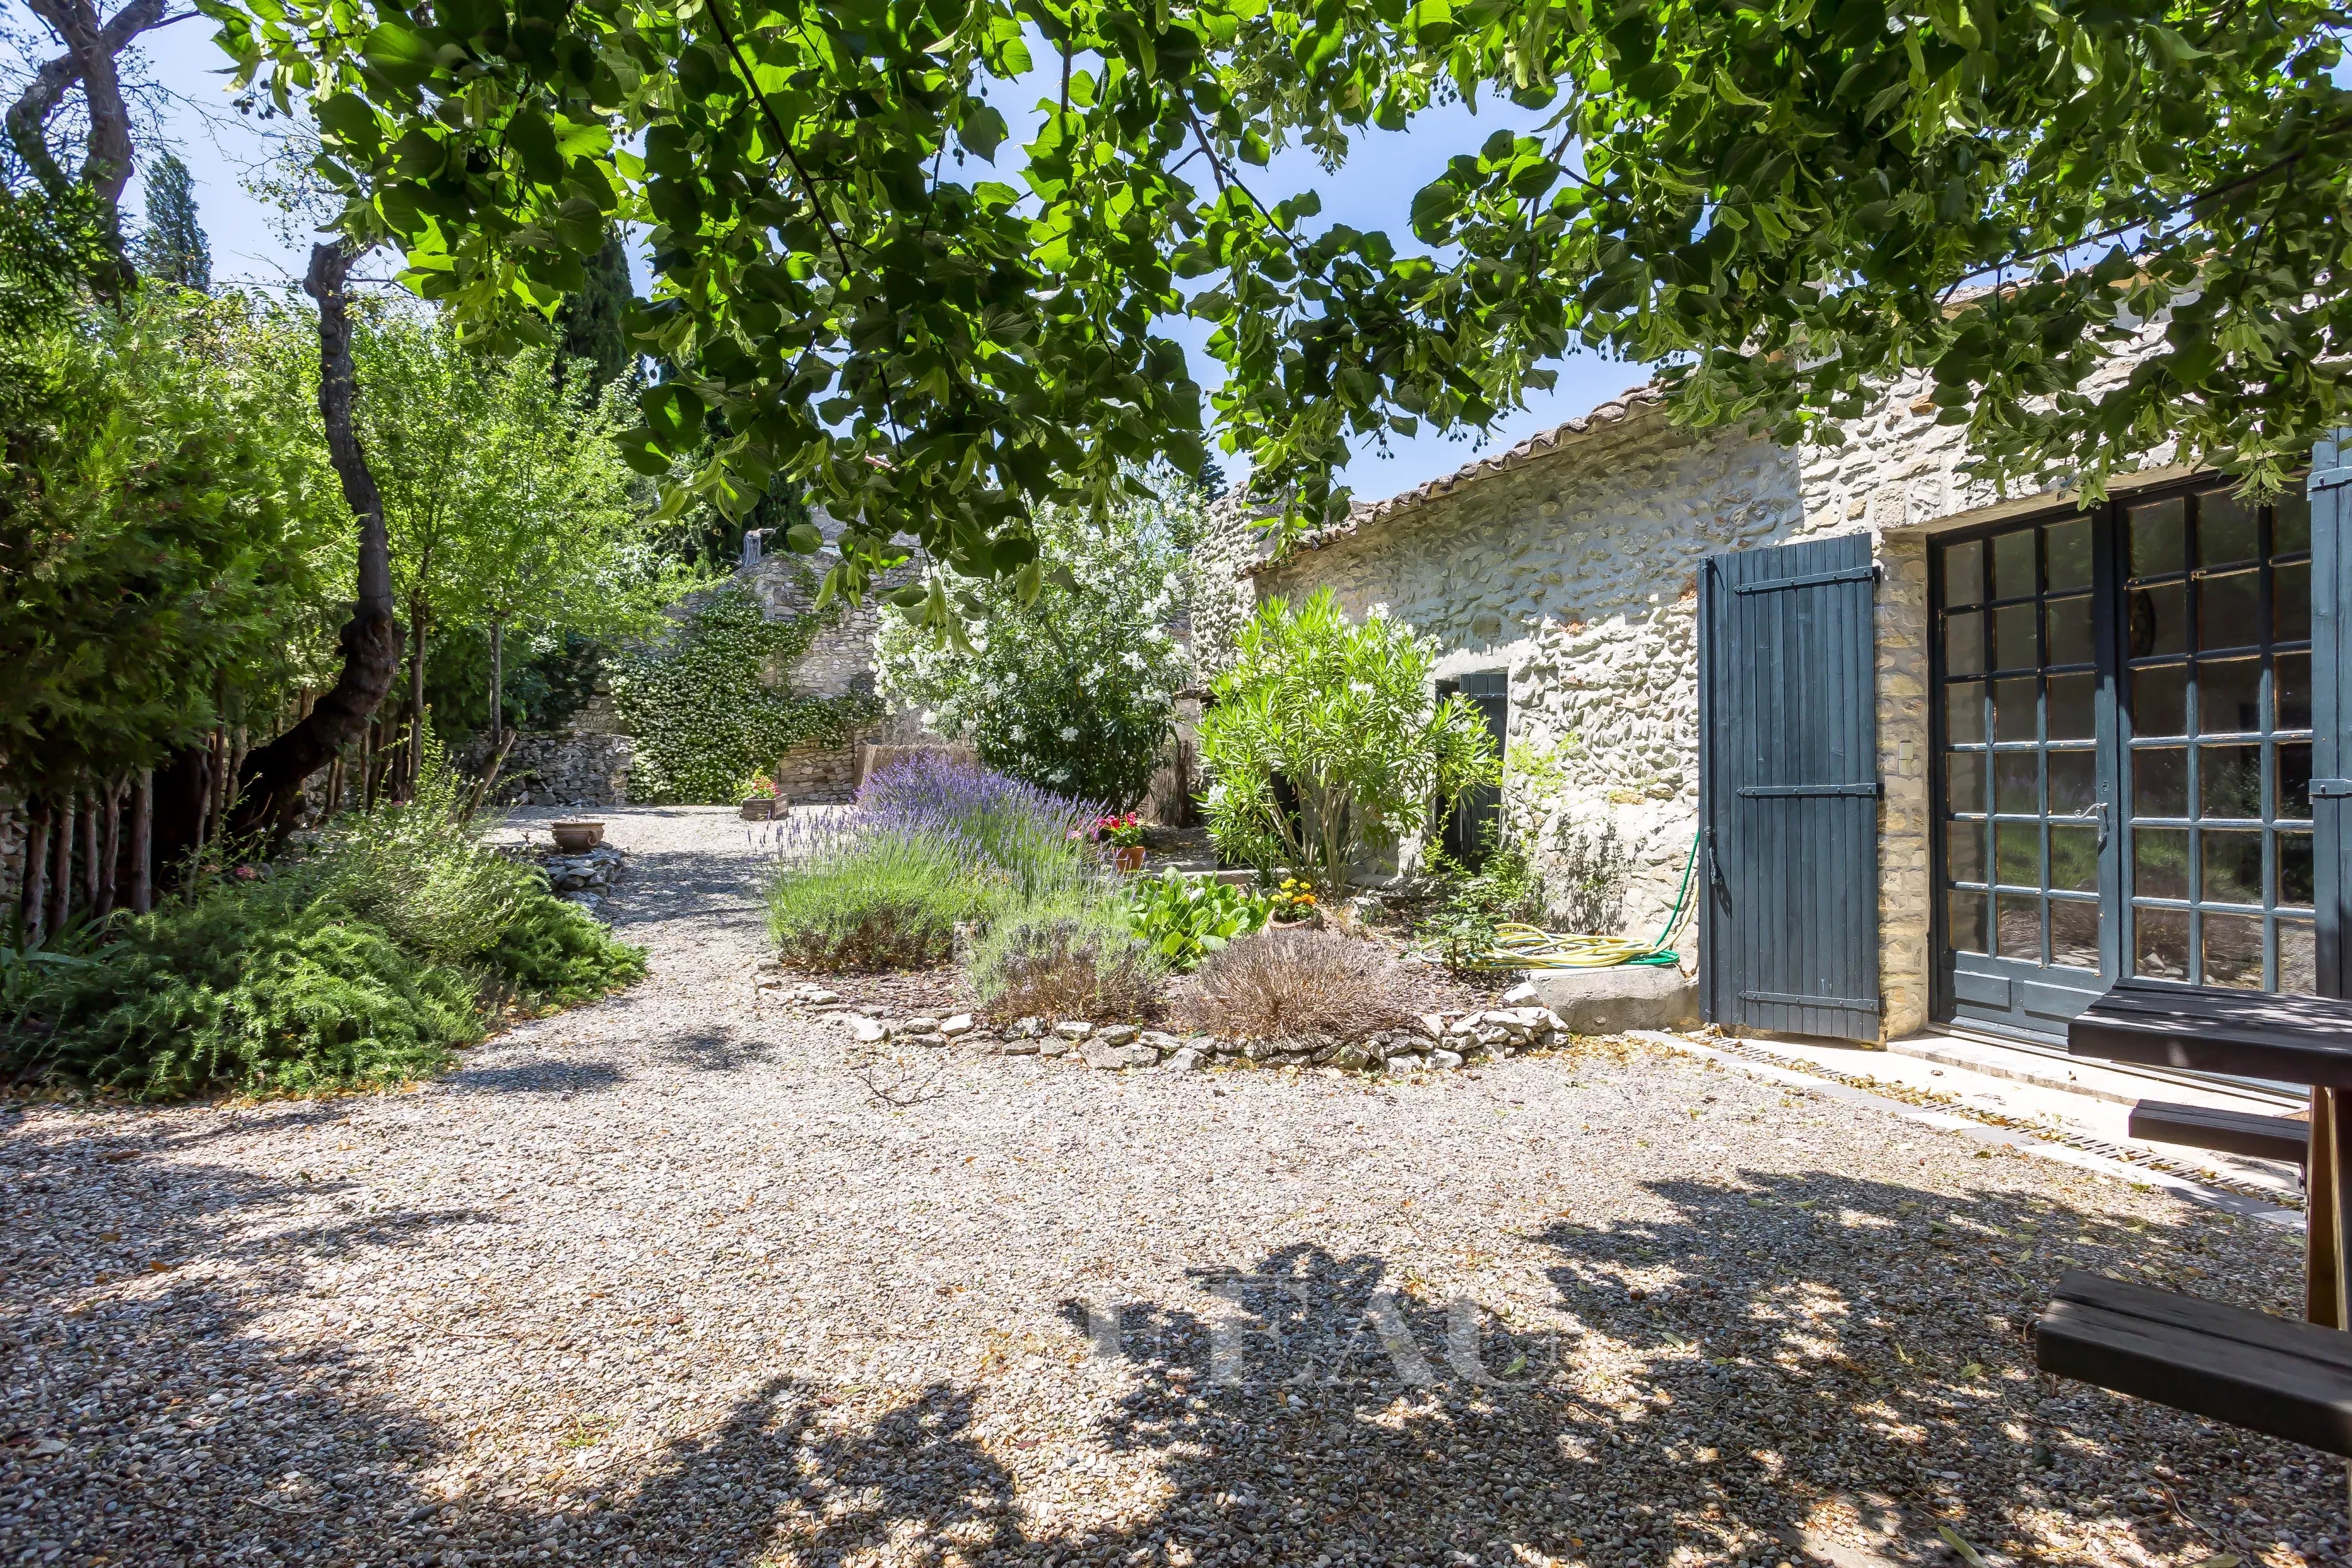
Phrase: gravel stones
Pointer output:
(669, 1281)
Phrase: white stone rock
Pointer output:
(1054, 1045)
(1445, 1061)
(870, 1032)
(1109, 1058)
(1434, 1025)
(821, 999)
(1115, 1034)
(1520, 994)
(920, 1026)
(1186, 1059)
(932, 1038)
(1074, 1028)
(956, 1024)
(1159, 1040)
(1403, 1066)
(1021, 1045)
(1464, 1026)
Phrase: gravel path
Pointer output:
(663, 1280)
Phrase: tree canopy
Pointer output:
(1789, 201)
(172, 247)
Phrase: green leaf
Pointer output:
(400, 53)
(673, 413)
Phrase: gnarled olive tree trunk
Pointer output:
(270, 785)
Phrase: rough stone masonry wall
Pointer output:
(839, 663)
(1576, 574)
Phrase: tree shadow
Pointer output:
(1781, 1358)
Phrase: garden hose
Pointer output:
(1518, 945)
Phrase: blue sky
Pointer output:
(1372, 193)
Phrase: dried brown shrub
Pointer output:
(1064, 965)
(1292, 983)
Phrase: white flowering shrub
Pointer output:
(1073, 691)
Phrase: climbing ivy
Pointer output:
(709, 708)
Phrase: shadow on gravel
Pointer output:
(1786, 1352)
(548, 1076)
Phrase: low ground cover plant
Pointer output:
(1184, 919)
(362, 963)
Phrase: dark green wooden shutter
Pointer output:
(2331, 709)
(1788, 789)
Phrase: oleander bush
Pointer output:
(1066, 959)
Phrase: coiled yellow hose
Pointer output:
(1520, 946)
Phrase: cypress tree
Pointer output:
(174, 247)
(589, 323)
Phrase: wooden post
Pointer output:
(61, 845)
(36, 877)
(142, 840)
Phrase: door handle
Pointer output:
(2107, 815)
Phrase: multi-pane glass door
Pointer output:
(2123, 732)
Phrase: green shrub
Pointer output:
(250, 990)
(1184, 919)
(554, 951)
(1471, 904)
(1068, 960)
(878, 901)
(420, 872)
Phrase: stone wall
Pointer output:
(839, 663)
(585, 763)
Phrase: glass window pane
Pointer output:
(2014, 645)
(2161, 781)
(2291, 524)
(1964, 922)
(2233, 951)
(2229, 782)
(2073, 783)
(2017, 783)
(1964, 780)
(2069, 547)
(2160, 700)
(2012, 565)
(2157, 621)
(1964, 852)
(2225, 529)
(1964, 649)
(2229, 695)
(2019, 918)
(2160, 943)
(2074, 713)
(2291, 690)
(2294, 883)
(2294, 780)
(2291, 603)
(2156, 546)
(2018, 849)
(2234, 865)
(2069, 631)
(2074, 856)
(1964, 574)
(2161, 863)
(2298, 959)
(2073, 933)
(2015, 709)
(1964, 720)
(2230, 610)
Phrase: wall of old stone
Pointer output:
(585, 763)
(839, 663)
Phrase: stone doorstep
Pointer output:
(1621, 998)
(2124, 1083)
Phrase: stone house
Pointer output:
(1931, 754)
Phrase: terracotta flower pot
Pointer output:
(574, 837)
(1130, 857)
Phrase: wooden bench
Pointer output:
(2230, 1131)
(2268, 1374)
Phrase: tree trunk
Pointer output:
(367, 768)
(217, 824)
(61, 867)
(273, 774)
(143, 841)
(89, 850)
(497, 684)
(412, 761)
(109, 852)
(36, 877)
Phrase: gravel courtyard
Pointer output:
(671, 1279)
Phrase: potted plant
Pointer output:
(1124, 833)
(761, 800)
